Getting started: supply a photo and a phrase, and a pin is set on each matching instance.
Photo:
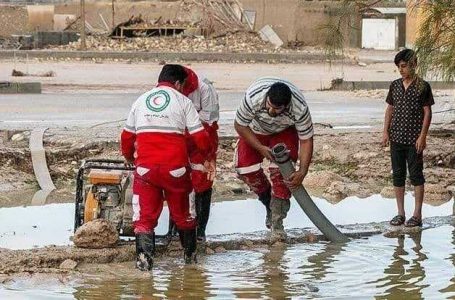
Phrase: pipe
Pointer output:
(281, 155)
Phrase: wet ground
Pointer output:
(38, 226)
(407, 266)
(416, 266)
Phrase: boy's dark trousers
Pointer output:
(402, 154)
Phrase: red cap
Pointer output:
(191, 83)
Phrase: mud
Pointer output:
(61, 260)
(96, 234)
(344, 164)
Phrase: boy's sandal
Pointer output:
(397, 220)
(413, 222)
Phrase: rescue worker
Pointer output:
(154, 138)
(273, 111)
(205, 99)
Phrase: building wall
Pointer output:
(297, 20)
(14, 19)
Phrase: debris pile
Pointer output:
(9, 43)
(245, 42)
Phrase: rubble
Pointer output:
(388, 192)
(96, 234)
(248, 42)
(321, 179)
(436, 194)
(68, 264)
(336, 192)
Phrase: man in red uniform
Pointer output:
(154, 138)
(205, 99)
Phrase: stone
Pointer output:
(436, 194)
(321, 179)
(68, 264)
(335, 192)
(311, 238)
(362, 156)
(220, 249)
(388, 192)
(18, 137)
(209, 251)
(96, 234)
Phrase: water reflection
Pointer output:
(404, 275)
(451, 287)
(320, 262)
(415, 266)
(188, 282)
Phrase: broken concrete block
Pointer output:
(269, 35)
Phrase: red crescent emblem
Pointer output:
(154, 101)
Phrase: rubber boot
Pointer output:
(280, 209)
(265, 199)
(172, 229)
(203, 201)
(145, 249)
(189, 244)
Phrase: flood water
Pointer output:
(28, 227)
(420, 265)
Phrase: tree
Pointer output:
(435, 43)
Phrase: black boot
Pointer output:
(172, 230)
(265, 199)
(203, 201)
(145, 249)
(189, 244)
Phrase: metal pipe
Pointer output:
(282, 159)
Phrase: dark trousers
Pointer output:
(402, 154)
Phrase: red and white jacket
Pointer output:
(154, 132)
(205, 99)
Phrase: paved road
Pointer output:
(88, 109)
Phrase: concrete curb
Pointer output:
(383, 85)
(20, 87)
(169, 56)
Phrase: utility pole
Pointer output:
(83, 44)
(113, 15)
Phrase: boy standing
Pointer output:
(406, 123)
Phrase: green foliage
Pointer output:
(435, 44)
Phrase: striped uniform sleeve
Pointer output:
(128, 136)
(245, 113)
(303, 122)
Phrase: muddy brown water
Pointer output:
(417, 266)
(420, 265)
